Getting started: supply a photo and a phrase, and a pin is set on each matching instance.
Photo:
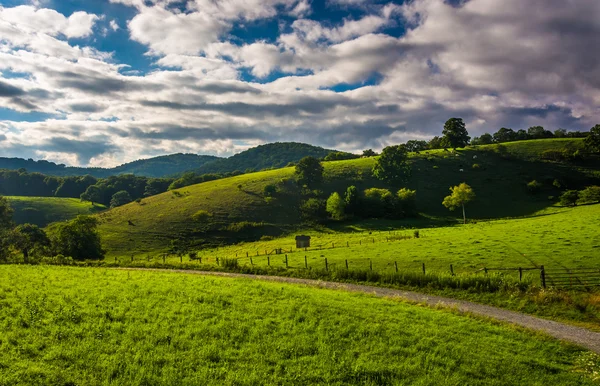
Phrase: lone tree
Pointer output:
(309, 171)
(592, 141)
(368, 153)
(455, 133)
(351, 200)
(393, 166)
(92, 194)
(569, 198)
(461, 195)
(78, 239)
(28, 237)
(120, 198)
(335, 206)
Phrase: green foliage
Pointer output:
(29, 239)
(377, 203)
(77, 238)
(335, 206)
(484, 139)
(351, 200)
(534, 187)
(243, 226)
(592, 141)
(6, 214)
(406, 202)
(392, 165)
(270, 190)
(313, 209)
(461, 195)
(455, 134)
(416, 145)
(202, 216)
(505, 135)
(309, 172)
(538, 132)
(435, 143)
(590, 194)
(369, 153)
(120, 198)
(340, 156)
(569, 198)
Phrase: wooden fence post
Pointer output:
(371, 264)
(115, 259)
(305, 262)
(451, 270)
(246, 254)
(217, 261)
(423, 268)
(132, 258)
(251, 263)
(485, 270)
(200, 259)
(164, 258)
(396, 265)
(326, 265)
(332, 245)
(347, 244)
(268, 260)
(543, 276)
(346, 263)
(520, 274)
(286, 262)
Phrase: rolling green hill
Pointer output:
(272, 155)
(235, 209)
(42, 211)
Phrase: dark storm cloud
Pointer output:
(84, 149)
(224, 88)
(87, 108)
(97, 83)
(177, 133)
(8, 90)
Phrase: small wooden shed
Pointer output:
(302, 241)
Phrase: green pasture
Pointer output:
(499, 181)
(42, 211)
(67, 326)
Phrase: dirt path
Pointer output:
(577, 335)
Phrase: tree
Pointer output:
(6, 224)
(77, 238)
(270, 190)
(339, 156)
(569, 198)
(309, 171)
(461, 195)
(351, 200)
(92, 194)
(313, 209)
(414, 145)
(521, 135)
(378, 203)
(455, 134)
(28, 237)
(592, 141)
(120, 198)
(335, 206)
(590, 194)
(538, 132)
(505, 135)
(393, 166)
(407, 202)
(485, 139)
(560, 133)
(369, 153)
(435, 143)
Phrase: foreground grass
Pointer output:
(98, 326)
(42, 211)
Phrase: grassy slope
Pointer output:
(42, 211)
(96, 326)
(500, 184)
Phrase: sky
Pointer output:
(104, 82)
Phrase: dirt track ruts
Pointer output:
(577, 335)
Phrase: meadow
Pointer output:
(42, 211)
(66, 326)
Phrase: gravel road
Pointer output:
(577, 335)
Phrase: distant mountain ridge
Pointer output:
(161, 166)
(273, 155)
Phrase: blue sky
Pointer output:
(137, 78)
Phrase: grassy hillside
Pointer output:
(98, 326)
(42, 211)
(499, 181)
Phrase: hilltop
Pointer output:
(236, 209)
(42, 211)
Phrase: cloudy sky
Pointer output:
(104, 82)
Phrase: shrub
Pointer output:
(476, 166)
(406, 202)
(243, 226)
(377, 203)
(269, 190)
(534, 186)
(569, 198)
(436, 167)
(201, 216)
(335, 206)
(416, 234)
(590, 194)
(230, 263)
(313, 209)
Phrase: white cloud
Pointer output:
(48, 21)
(114, 25)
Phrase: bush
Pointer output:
(230, 263)
(243, 226)
(406, 202)
(313, 209)
(377, 203)
(590, 194)
(269, 190)
(335, 206)
(534, 186)
(476, 166)
(201, 216)
(569, 198)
